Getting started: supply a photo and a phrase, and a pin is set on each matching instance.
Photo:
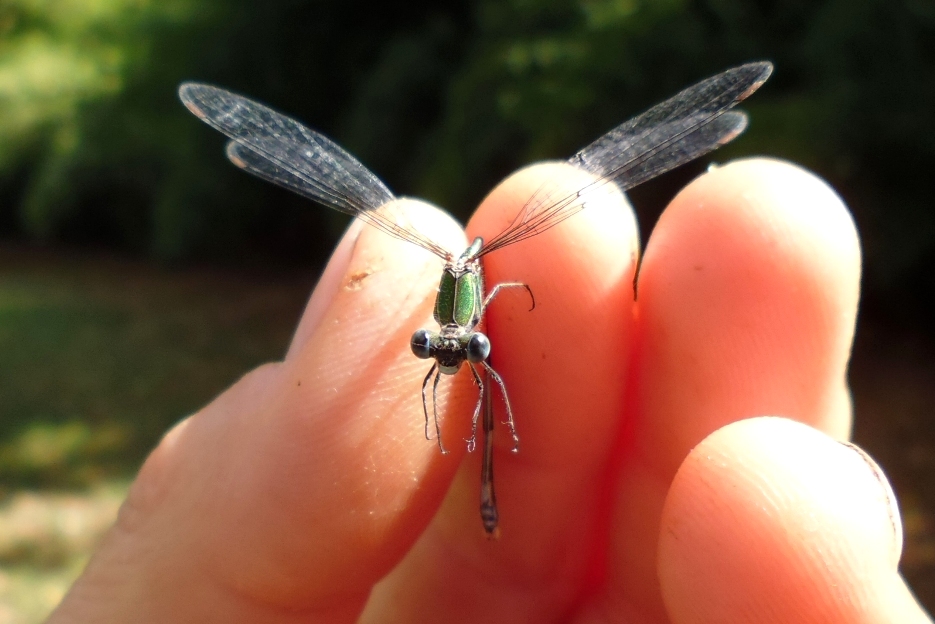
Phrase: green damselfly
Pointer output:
(283, 151)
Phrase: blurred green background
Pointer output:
(140, 273)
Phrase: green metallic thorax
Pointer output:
(460, 297)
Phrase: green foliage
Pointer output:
(442, 101)
(68, 75)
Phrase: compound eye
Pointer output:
(478, 348)
(421, 344)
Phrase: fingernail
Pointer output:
(892, 505)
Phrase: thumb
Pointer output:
(768, 520)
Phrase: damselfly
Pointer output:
(283, 151)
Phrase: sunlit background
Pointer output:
(140, 273)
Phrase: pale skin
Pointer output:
(650, 486)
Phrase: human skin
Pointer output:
(681, 456)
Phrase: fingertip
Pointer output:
(584, 251)
(790, 205)
(769, 517)
(748, 299)
(767, 203)
(576, 340)
(765, 216)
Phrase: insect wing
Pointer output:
(692, 123)
(283, 151)
(642, 147)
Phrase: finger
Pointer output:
(304, 483)
(747, 300)
(771, 521)
(562, 364)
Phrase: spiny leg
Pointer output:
(509, 410)
(438, 431)
(425, 402)
(496, 289)
(472, 441)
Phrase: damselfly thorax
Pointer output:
(459, 307)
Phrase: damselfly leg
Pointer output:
(425, 406)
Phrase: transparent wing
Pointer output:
(680, 129)
(283, 151)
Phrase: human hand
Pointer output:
(307, 492)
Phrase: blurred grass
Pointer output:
(100, 356)
(45, 541)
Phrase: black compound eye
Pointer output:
(421, 344)
(478, 348)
